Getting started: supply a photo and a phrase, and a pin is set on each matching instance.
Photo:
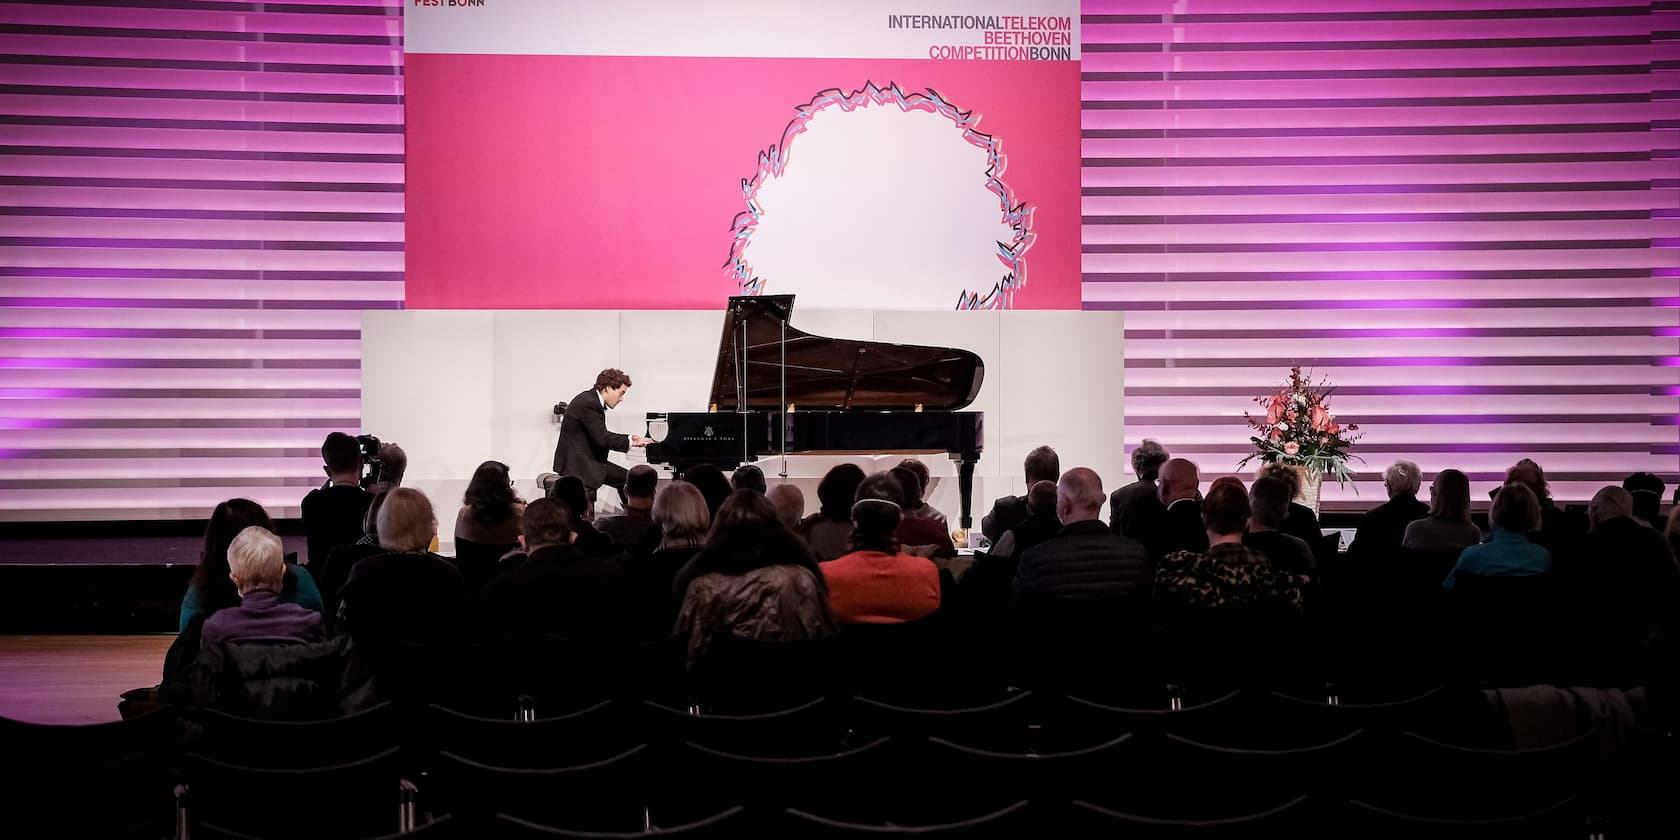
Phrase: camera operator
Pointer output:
(393, 463)
(332, 514)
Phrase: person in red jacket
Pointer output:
(877, 583)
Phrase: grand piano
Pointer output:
(778, 390)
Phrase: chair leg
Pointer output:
(183, 820)
(405, 808)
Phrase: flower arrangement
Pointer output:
(1298, 428)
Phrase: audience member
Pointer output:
(1558, 532)
(680, 512)
(748, 477)
(345, 557)
(1179, 527)
(789, 502)
(1084, 563)
(394, 463)
(556, 588)
(409, 593)
(1227, 578)
(876, 583)
(1007, 512)
(714, 487)
(1448, 527)
(1268, 505)
(1302, 522)
(1647, 490)
(1041, 522)
(332, 515)
(1147, 459)
(490, 511)
(570, 491)
(922, 536)
(917, 507)
(1383, 529)
(1516, 512)
(754, 579)
(634, 529)
(257, 569)
(210, 588)
(829, 531)
(1627, 575)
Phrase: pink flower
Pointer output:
(1274, 412)
(1291, 448)
(1320, 419)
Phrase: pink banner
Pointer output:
(614, 182)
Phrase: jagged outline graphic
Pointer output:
(772, 162)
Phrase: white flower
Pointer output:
(1281, 425)
(1300, 399)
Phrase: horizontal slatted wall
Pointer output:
(1463, 212)
(200, 200)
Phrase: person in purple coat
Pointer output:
(257, 567)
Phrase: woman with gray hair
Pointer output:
(1382, 529)
(257, 568)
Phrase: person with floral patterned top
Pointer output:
(1227, 576)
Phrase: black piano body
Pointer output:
(777, 390)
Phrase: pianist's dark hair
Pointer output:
(877, 510)
(611, 378)
(747, 534)
(837, 490)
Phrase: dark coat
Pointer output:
(560, 590)
(332, 516)
(584, 440)
(1084, 560)
(1626, 578)
(1006, 513)
(275, 681)
(1383, 529)
(1178, 527)
(1035, 529)
(1302, 524)
(415, 597)
(1141, 492)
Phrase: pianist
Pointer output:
(585, 441)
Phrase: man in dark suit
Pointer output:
(1179, 527)
(584, 439)
(1147, 459)
(556, 588)
(1042, 464)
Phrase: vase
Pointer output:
(1311, 482)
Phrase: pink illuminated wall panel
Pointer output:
(1464, 213)
(200, 200)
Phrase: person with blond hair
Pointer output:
(409, 593)
(680, 514)
(257, 567)
(1509, 552)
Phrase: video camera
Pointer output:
(372, 465)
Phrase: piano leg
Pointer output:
(965, 489)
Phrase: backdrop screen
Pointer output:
(669, 154)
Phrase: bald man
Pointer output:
(1626, 575)
(1180, 527)
(1085, 572)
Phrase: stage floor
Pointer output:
(75, 679)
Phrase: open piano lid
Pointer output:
(834, 373)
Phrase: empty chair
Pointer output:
(588, 735)
(114, 797)
(605, 795)
(477, 561)
(1283, 820)
(1236, 780)
(1169, 710)
(730, 824)
(705, 777)
(921, 662)
(806, 729)
(1011, 822)
(569, 674)
(1107, 667)
(1001, 724)
(744, 674)
(1431, 778)
(1649, 774)
(272, 743)
(1041, 777)
(1419, 712)
(483, 677)
(1562, 820)
(353, 800)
